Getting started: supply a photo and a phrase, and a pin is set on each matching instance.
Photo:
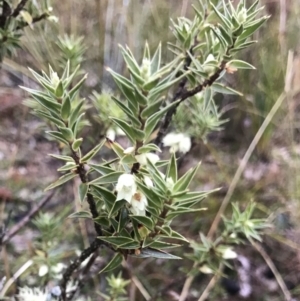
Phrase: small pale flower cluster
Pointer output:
(128, 191)
(178, 142)
(54, 79)
(32, 294)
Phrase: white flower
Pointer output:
(142, 159)
(120, 132)
(206, 269)
(178, 142)
(209, 58)
(111, 134)
(229, 254)
(43, 270)
(54, 79)
(53, 19)
(148, 182)
(58, 268)
(126, 187)
(146, 69)
(129, 150)
(138, 204)
(29, 294)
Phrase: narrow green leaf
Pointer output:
(76, 144)
(70, 78)
(123, 219)
(68, 166)
(80, 214)
(58, 136)
(74, 114)
(220, 88)
(56, 121)
(116, 207)
(148, 252)
(59, 90)
(178, 236)
(222, 18)
(154, 200)
(76, 124)
(64, 158)
(163, 245)
(65, 110)
(66, 133)
(173, 214)
(74, 90)
(251, 28)
(43, 81)
(184, 182)
(92, 152)
(107, 179)
(82, 191)
(61, 180)
(144, 220)
(116, 240)
(44, 100)
(113, 264)
(132, 133)
(127, 111)
(225, 35)
(148, 147)
(117, 148)
(130, 61)
(102, 169)
(102, 220)
(240, 64)
(106, 195)
(152, 108)
(152, 121)
(172, 169)
(156, 60)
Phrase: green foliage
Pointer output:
(14, 19)
(211, 253)
(134, 197)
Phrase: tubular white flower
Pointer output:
(185, 144)
(54, 79)
(148, 182)
(178, 142)
(126, 187)
(229, 254)
(43, 270)
(142, 159)
(138, 204)
(206, 269)
(32, 294)
(129, 150)
(111, 134)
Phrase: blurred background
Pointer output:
(271, 177)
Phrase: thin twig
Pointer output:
(19, 7)
(273, 268)
(76, 264)
(90, 198)
(168, 118)
(16, 275)
(186, 287)
(15, 229)
(183, 94)
(34, 20)
(211, 284)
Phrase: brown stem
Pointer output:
(19, 7)
(76, 264)
(14, 230)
